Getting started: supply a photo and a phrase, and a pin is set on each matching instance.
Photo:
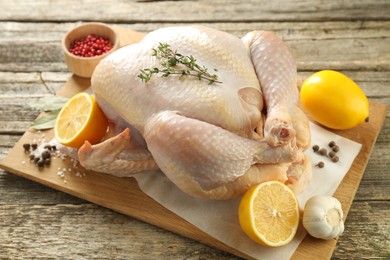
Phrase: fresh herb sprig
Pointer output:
(170, 65)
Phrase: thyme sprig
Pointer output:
(174, 63)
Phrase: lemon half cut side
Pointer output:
(80, 120)
(269, 214)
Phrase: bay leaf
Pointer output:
(49, 103)
(45, 121)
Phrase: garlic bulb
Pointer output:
(323, 217)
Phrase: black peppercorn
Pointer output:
(40, 163)
(335, 159)
(336, 148)
(320, 165)
(316, 148)
(31, 156)
(34, 146)
(332, 154)
(322, 151)
(332, 143)
(26, 147)
(47, 161)
(45, 154)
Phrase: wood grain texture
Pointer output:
(195, 11)
(351, 36)
(368, 49)
(169, 245)
(75, 231)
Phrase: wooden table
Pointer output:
(35, 221)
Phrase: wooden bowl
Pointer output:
(84, 66)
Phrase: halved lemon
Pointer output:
(80, 120)
(269, 214)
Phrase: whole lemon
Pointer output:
(334, 100)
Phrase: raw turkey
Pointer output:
(212, 140)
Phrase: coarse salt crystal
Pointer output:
(75, 164)
(23, 162)
(61, 174)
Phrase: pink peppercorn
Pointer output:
(90, 46)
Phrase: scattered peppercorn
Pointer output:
(90, 46)
(320, 165)
(26, 147)
(47, 161)
(322, 151)
(335, 159)
(45, 154)
(43, 157)
(31, 156)
(40, 163)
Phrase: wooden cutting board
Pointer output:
(123, 194)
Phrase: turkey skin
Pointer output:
(212, 140)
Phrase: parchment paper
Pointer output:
(219, 219)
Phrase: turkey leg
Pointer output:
(209, 154)
(276, 70)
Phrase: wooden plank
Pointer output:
(357, 232)
(327, 45)
(57, 224)
(19, 32)
(128, 199)
(101, 234)
(195, 11)
(375, 245)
